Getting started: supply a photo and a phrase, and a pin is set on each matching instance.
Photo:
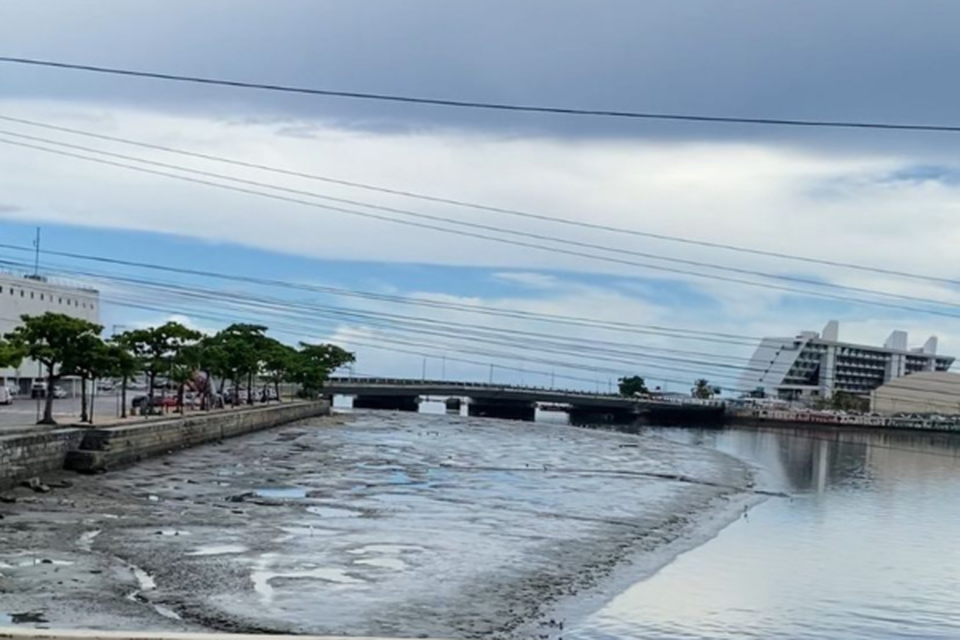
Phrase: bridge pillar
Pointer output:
(505, 409)
(602, 415)
(389, 403)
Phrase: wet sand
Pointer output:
(375, 524)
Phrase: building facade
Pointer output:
(817, 365)
(36, 295)
(924, 392)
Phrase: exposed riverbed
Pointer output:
(373, 524)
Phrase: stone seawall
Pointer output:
(26, 455)
(100, 449)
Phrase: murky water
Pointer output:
(869, 547)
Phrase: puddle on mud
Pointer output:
(282, 493)
(333, 512)
(261, 579)
(386, 563)
(85, 541)
(386, 549)
(217, 550)
(171, 532)
(29, 617)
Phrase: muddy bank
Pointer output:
(377, 524)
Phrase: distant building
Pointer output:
(36, 295)
(812, 365)
(925, 392)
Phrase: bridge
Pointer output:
(516, 402)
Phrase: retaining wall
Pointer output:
(25, 455)
(100, 449)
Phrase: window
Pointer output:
(31, 295)
(41, 296)
(59, 300)
(21, 293)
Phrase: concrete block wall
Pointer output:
(26, 455)
(114, 447)
(91, 450)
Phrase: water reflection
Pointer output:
(865, 548)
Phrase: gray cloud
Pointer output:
(883, 60)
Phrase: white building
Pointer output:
(926, 392)
(812, 365)
(36, 295)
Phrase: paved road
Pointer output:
(23, 412)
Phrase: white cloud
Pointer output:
(529, 279)
(772, 198)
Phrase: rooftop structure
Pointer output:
(812, 364)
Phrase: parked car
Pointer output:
(58, 392)
(38, 390)
(142, 403)
(5, 396)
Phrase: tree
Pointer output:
(844, 401)
(280, 361)
(54, 340)
(86, 361)
(242, 348)
(156, 347)
(632, 386)
(702, 389)
(124, 366)
(314, 364)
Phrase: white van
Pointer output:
(5, 396)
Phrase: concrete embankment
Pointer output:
(90, 450)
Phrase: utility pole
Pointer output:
(443, 367)
(491, 374)
(36, 255)
(423, 375)
(552, 377)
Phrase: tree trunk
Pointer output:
(93, 396)
(123, 398)
(276, 388)
(180, 397)
(48, 400)
(150, 388)
(83, 399)
(250, 388)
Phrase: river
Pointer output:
(867, 547)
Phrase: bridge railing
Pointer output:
(468, 386)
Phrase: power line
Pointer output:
(484, 105)
(515, 339)
(577, 321)
(488, 208)
(509, 241)
(486, 227)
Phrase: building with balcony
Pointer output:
(817, 365)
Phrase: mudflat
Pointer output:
(369, 524)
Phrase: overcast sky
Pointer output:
(878, 198)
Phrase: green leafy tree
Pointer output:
(10, 355)
(242, 348)
(56, 341)
(632, 386)
(156, 348)
(702, 389)
(86, 361)
(845, 401)
(279, 364)
(124, 365)
(315, 362)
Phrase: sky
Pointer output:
(293, 252)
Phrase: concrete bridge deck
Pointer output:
(513, 400)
